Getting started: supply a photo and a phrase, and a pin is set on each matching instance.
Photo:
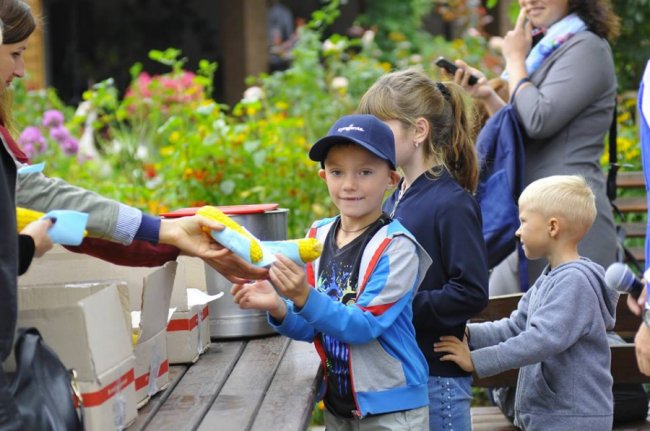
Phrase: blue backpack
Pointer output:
(500, 148)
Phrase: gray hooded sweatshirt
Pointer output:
(557, 337)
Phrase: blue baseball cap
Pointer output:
(365, 130)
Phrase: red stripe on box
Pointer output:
(183, 324)
(143, 380)
(187, 324)
(92, 399)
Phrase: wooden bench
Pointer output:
(624, 368)
(631, 208)
(258, 385)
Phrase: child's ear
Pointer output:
(421, 129)
(321, 173)
(553, 227)
(393, 179)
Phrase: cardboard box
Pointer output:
(85, 326)
(149, 325)
(149, 296)
(193, 273)
(188, 332)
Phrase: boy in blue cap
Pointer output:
(354, 302)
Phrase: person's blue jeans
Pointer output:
(450, 400)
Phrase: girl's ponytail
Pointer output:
(460, 155)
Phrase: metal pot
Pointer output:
(227, 320)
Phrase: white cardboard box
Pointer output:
(149, 293)
(152, 364)
(188, 332)
(84, 325)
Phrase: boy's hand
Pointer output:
(259, 295)
(458, 351)
(290, 280)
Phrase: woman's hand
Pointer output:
(37, 230)
(190, 235)
(637, 305)
(480, 90)
(516, 46)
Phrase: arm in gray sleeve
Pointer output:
(491, 333)
(107, 219)
(577, 78)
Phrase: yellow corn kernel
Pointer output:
(25, 216)
(217, 215)
(309, 248)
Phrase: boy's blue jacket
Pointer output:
(389, 372)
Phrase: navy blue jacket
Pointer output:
(500, 148)
(446, 220)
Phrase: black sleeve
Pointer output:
(26, 248)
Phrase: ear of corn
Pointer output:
(261, 252)
(25, 216)
(300, 251)
(217, 215)
(308, 248)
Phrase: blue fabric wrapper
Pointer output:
(69, 226)
(29, 169)
(240, 245)
(285, 248)
(234, 241)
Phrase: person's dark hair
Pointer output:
(18, 24)
(598, 15)
(408, 95)
(19, 21)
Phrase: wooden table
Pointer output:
(257, 384)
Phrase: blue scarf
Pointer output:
(555, 36)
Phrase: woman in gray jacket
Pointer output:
(564, 102)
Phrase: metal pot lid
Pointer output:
(227, 209)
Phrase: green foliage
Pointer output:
(632, 48)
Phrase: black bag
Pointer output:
(42, 387)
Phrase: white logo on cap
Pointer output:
(350, 128)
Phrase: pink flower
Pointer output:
(70, 146)
(60, 134)
(32, 141)
(52, 118)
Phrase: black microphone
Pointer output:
(620, 277)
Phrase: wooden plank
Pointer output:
(498, 307)
(146, 414)
(632, 204)
(240, 398)
(638, 253)
(490, 418)
(634, 230)
(507, 378)
(632, 179)
(197, 390)
(290, 399)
